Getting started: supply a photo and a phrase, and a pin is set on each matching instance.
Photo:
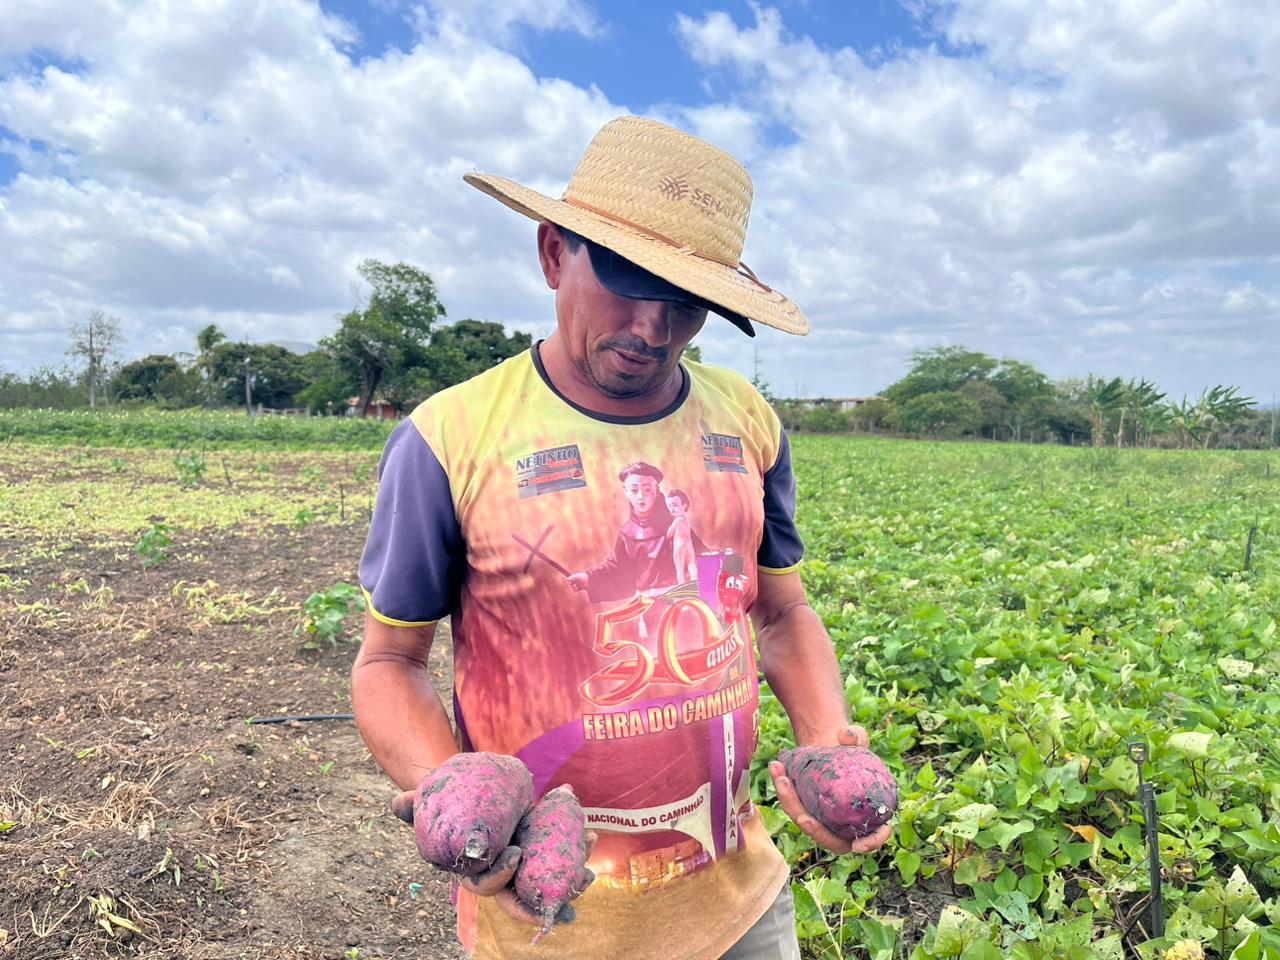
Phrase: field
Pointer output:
(1008, 619)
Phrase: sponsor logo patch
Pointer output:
(549, 471)
(722, 453)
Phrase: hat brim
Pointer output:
(720, 284)
(619, 275)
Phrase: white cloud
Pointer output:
(1088, 187)
(1012, 198)
(248, 197)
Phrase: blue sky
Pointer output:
(637, 59)
(8, 163)
(1089, 187)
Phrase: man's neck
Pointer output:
(579, 389)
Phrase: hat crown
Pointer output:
(668, 184)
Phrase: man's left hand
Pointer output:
(852, 736)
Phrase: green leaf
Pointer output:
(925, 776)
(1013, 907)
(908, 863)
(1006, 881)
(982, 950)
(1055, 898)
(1241, 897)
(957, 929)
(1191, 743)
(1032, 885)
(968, 870)
(1234, 669)
(1005, 832)
(1249, 949)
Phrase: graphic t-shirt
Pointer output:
(598, 573)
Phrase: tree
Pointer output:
(276, 374)
(993, 407)
(158, 378)
(757, 378)
(940, 369)
(43, 387)
(871, 413)
(1027, 393)
(207, 339)
(95, 341)
(825, 418)
(694, 353)
(1140, 403)
(464, 349)
(942, 413)
(390, 335)
(1103, 396)
(1222, 406)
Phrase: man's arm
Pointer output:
(405, 726)
(398, 711)
(800, 666)
(798, 660)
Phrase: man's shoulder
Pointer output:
(730, 385)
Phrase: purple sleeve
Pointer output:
(781, 546)
(414, 557)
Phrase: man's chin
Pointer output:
(622, 386)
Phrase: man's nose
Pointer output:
(651, 322)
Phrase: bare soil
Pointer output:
(141, 815)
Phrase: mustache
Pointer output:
(637, 347)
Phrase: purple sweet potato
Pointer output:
(553, 863)
(467, 809)
(848, 790)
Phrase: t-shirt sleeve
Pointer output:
(413, 561)
(781, 548)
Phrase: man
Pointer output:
(494, 490)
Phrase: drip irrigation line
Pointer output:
(309, 716)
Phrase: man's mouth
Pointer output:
(634, 361)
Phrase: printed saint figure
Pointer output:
(680, 533)
(642, 559)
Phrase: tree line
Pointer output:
(954, 392)
(395, 348)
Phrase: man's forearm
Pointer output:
(800, 666)
(401, 718)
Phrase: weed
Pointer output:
(324, 612)
(191, 467)
(153, 546)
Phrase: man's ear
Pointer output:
(551, 250)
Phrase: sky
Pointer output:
(1090, 187)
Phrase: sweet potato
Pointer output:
(553, 863)
(467, 809)
(848, 789)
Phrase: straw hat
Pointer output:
(667, 201)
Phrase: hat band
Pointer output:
(741, 267)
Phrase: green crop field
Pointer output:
(192, 430)
(1008, 618)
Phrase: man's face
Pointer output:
(642, 493)
(623, 347)
(675, 505)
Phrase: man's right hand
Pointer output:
(494, 882)
(578, 581)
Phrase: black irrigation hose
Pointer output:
(310, 716)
